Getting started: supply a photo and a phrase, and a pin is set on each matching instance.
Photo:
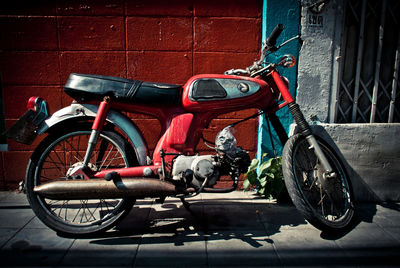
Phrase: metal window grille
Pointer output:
(369, 87)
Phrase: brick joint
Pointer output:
(41, 44)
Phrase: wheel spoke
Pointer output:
(112, 159)
(330, 204)
(105, 159)
(55, 164)
(58, 154)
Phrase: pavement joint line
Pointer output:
(269, 237)
(206, 248)
(17, 232)
(65, 253)
(141, 235)
(137, 251)
(388, 233)
(343, 250)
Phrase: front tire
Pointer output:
(328, 210)
(54, 157)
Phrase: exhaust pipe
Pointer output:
(101, 189)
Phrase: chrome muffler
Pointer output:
(102, 189)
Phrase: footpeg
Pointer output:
(116, 178)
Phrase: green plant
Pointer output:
(268, 182)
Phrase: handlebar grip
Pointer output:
(271, 40)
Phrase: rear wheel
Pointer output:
(329, 205)
(55, 157)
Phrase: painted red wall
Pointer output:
(160, 41)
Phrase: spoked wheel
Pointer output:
(327, 205)
(54, 159)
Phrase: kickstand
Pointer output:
(186, 204)
(198, 218)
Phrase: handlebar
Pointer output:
(268, 45)
(276, 32)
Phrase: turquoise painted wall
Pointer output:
(287, 13)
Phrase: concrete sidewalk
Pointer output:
(235, 229)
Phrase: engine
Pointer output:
(201, 171)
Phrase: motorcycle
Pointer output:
(87, 173)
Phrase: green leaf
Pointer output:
(270, 175)
(269, 181)
(253, 165)
(265, 165)
(252, 177)
(261, 191)
(246, 184)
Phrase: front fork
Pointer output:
(305, 129)
(302, 123)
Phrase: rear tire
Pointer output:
(52, 159)
(331, 211)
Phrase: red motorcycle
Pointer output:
(87, 173)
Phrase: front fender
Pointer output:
(122, 122)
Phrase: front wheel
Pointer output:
(329, 207)
(56, 155)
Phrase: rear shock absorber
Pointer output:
(97, 127)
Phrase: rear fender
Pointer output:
(81, 111)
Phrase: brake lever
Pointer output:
(236, 72)
(288, 41)
(257, 68)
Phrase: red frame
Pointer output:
(182, 126)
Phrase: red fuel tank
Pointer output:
(213, 92)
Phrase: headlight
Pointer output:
(287, 61)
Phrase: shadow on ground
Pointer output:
(213, 219)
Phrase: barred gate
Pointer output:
(368, 82)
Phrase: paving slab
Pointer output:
(232, 216)
(277, 217)
(35, 223)
(173, 216)
(103, 252)
(6, 234)
(35, 247)
(303, 246)
(236, 229)
(370, 245)
(383, 215)
(238, 196)
(184, 249)
(240, 248)
(13, 198)
(15, 217)
(137, 221)
(393, 232)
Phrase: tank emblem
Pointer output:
(243, 87)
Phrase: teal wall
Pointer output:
(287, 13)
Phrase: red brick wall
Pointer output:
(42, 42)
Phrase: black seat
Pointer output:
(86, 87)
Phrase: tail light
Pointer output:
(24, 130)
(37, 104)
(31, 105)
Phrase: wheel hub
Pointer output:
(78, 171)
